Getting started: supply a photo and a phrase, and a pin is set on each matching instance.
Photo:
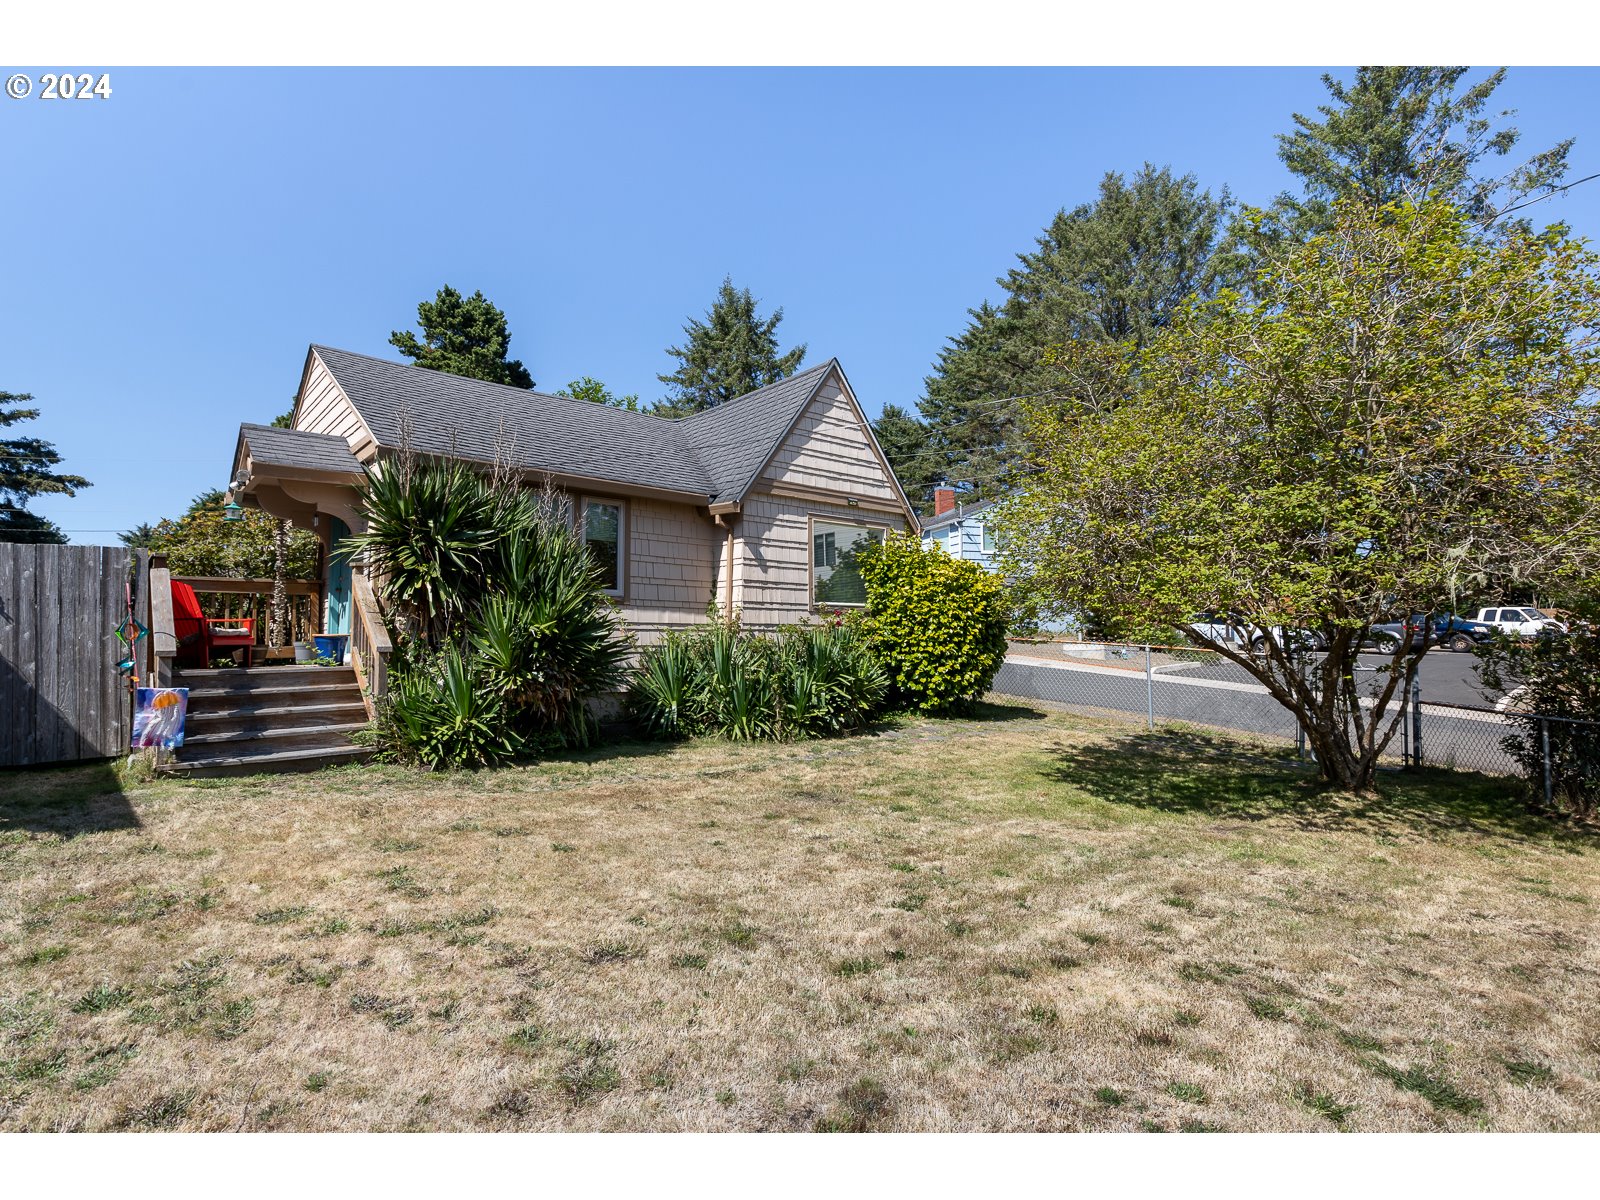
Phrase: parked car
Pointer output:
(1523, 620)
(1386, 637)
(1232, 629)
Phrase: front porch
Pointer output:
(278, 715)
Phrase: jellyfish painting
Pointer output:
(158, 715)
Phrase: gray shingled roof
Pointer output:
(735, 440)
(275, 447)
(958, 514)
(716, 454)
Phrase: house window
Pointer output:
(988, 539)
(603, 535)
(834, 547)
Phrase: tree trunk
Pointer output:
(280, 590)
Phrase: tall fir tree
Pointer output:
(1404, 133)
(908, 444)
(25, 472)
(463, 336)
(1115, 270)
(733, 351)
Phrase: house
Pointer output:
(963, 532)
(757, 505)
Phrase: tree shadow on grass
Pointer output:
(995, 711)
(1193, 772)
(65, 800)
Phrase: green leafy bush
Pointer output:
(804, 681)
(502, 632)
(1556, 678)
(938, 624)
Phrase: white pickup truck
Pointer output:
(1523, 621)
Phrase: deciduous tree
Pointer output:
(1402, 419)
(204, 542)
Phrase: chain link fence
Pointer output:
(1154, 685)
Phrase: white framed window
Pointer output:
(988, 538)
(603, 527)
(835, 580)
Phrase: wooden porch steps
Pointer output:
(247, 721)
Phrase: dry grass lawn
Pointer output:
(1026, 921)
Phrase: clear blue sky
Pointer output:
(170, 252)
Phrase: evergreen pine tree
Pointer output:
(1112, 271)
(463, 337)
(1403, 133)
(24, 473)
(733, 351)
(908, 444)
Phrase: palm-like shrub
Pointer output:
(547, 641)
(439, 716)
(504, 633)
(722, 681)
(429, 532)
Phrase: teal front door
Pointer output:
(338, 579)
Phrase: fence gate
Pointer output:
(61, 696)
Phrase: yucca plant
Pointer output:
(438, 716)
(721, 680)
(547, 639)
(507, 610)
(429, 533)
(661, 697)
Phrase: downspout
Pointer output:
(727, 585)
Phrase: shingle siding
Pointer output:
(830, 450)
(773, 560)
(324, 408)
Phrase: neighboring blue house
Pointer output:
(961, 532)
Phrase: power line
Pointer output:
(1565, 187)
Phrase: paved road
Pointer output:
(1222, 696)
(1446, 677)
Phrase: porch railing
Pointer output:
(163, 629)
(370, 646)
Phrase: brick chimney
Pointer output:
(944, 500)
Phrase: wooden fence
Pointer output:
(61, 696)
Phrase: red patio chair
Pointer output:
(198, 635)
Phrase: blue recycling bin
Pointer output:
(331, 645)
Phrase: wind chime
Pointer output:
(129, 633)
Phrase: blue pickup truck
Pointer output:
(1456, 633)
